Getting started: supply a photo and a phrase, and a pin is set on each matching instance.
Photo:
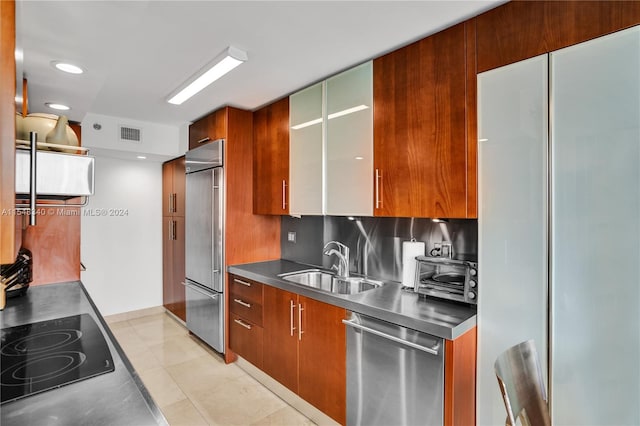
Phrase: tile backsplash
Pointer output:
(375, 243)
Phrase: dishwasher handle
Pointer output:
(432, 350)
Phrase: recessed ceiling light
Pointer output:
(67, 67)
(141, 157)
(60, 107)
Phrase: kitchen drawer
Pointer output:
(245, 339)
(245, 289)
(246, 309)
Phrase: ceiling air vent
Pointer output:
(130, 134)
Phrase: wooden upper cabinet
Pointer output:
(208, 128)
(424, 127)
(523, 29)
(8, 232)
(271, 159)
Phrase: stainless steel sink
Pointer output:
(326, 281)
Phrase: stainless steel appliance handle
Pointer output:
(291, 313)
(433, 350)
(192, 287)
(284, 194)
(33, 178)
(300, 309)
(242, 323)
(203, 140)
(241, 282)
(243, 303)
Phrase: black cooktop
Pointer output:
(48, 354)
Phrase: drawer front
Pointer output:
(246, 309)
(245, 339)
(245, 289)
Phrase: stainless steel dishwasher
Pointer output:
(395, 375)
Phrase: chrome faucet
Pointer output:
(343, 257)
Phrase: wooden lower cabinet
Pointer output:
(281, 336)
(245, 319)
(322, 357)
(173, 273)
(305, 349)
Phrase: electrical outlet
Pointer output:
(291, 237)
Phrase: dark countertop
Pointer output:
(448, 320)
(115, 398)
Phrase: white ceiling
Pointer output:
(136, 53)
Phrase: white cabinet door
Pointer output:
(512, 225)
(595, 219)
(306, 149)
(349, 143)
(331, 146)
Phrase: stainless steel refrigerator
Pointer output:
(204, 241)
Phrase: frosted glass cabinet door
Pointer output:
(306, 151)
(349, 150)
(512, 225)
(595, 252)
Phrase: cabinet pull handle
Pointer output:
(378, 189)
(174, 204)
(203, 140)
(242, 282)
(291, 310)
(242, 323)
(240, 302)
(170, 230)
(284, 194)
(300, 309)
(175, 230)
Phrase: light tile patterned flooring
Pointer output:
(190, 383)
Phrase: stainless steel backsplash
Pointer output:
(375, 243)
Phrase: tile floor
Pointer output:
(190, 383)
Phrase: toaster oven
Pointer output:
(445, 278)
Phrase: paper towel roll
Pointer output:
(410, 249)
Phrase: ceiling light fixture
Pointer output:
(67, 67)
(231, 58)
(330, 116)
(141, 157)
(59, 107)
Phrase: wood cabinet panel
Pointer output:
(251, 311)
(173, 265)
(523, 29)
(420, 127)
(322, 357)
(55, 245)
(271, 158)
(246, 339)
(246, 289)
(460, 380)
(8, 250)
(173, 187)
(280, 359)
(208, 128)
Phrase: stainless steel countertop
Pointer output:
(448, 320)
(115, 398)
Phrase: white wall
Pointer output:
(158, 139)
(123, 254)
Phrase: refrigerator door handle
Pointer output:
(192, 287)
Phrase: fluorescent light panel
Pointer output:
(232, 59)
(330, 116)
